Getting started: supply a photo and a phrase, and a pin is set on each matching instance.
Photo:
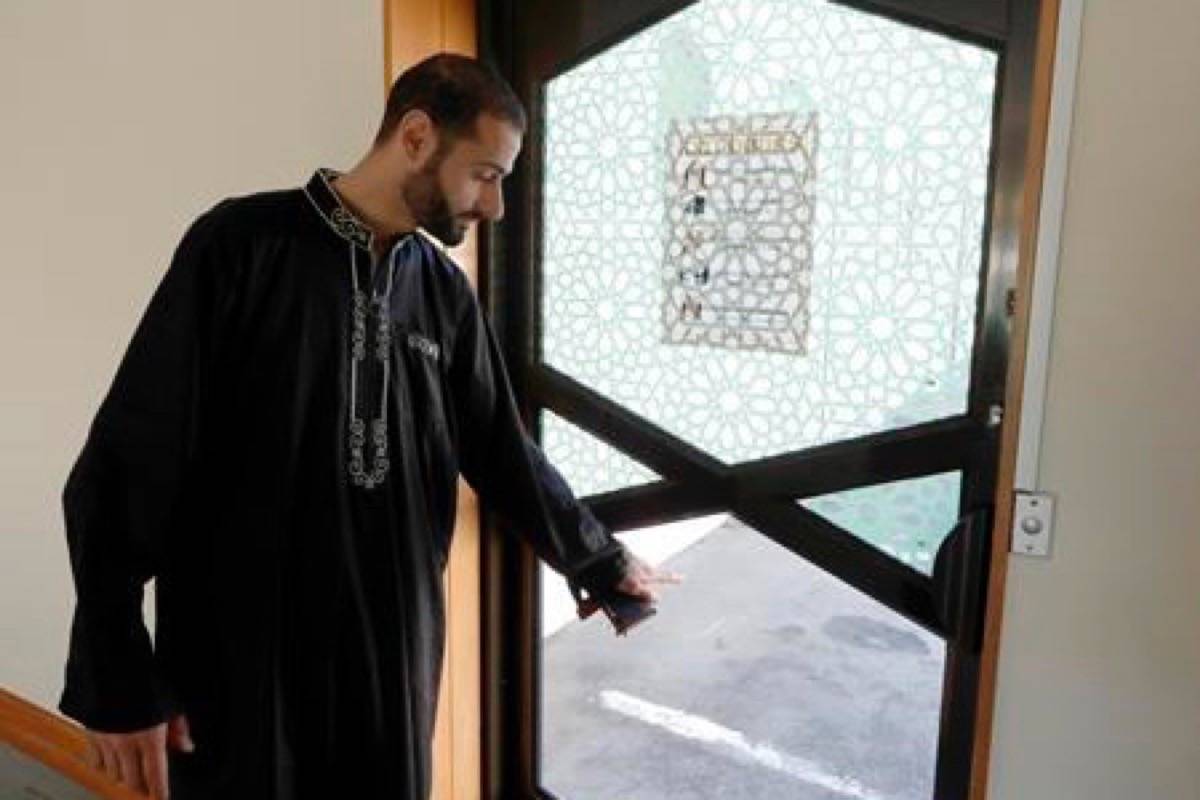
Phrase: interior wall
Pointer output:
(123, 121)
(1097, 693)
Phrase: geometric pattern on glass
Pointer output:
(589, 465)
(739, 231)
(898, 189)
(906, 519)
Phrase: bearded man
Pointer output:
(280, 449)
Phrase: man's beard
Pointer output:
(430, 209)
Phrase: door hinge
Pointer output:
(1010, 302)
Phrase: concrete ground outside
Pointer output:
(762, 677)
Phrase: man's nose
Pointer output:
(491, 203)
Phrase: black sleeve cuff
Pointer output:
(113, 683)
(135, 712)
(600, 576)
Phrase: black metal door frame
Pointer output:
(534, 40)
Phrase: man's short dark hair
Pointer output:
(453, 90)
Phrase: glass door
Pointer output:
(753, 304)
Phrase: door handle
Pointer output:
(960, 572)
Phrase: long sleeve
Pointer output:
(121, 494)
(502, 463)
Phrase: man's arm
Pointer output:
(119, 503)
(501, 461)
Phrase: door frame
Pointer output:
(1027, 31)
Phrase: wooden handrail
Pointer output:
(57, 743)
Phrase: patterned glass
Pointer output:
(589, 465)
(870, 323)
(907, 519)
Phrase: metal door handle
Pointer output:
(960, 572)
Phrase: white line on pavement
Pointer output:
(690, 726)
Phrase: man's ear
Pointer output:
(416, 136)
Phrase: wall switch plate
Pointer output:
(1033, 522)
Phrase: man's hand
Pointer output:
(634, 598)
(641, 578)
(139, 759)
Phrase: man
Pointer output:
(280, 449)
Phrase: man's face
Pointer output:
(460, 183)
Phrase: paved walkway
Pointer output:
(760, 678)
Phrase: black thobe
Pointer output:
(280, 449)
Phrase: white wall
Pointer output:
(1099, 685)
(121, 121)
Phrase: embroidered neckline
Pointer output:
(367, 308)
(367, 426)
(342, 220)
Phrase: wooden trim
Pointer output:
(459, 25)
(389, 32)
(56, 742)
(413, 30)
(1035, 161)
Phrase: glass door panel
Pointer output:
(908, 520)
(748, 285)
(762, 223)
(589, 465)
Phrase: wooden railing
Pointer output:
(57, 744)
